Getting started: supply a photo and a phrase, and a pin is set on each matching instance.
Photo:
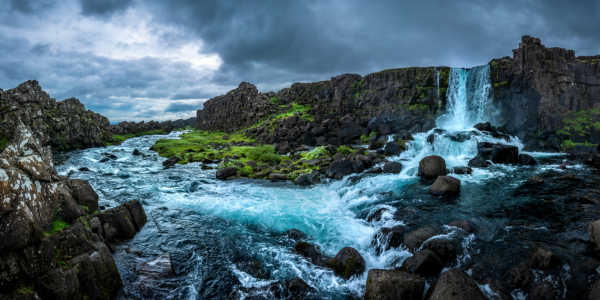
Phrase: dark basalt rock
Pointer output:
(298, 289)
(432, 166)
(463, 170)
(527, 159)
(478, 162)
(339, 169)
(445, 185)
(387, 238)
(541, 258)
(156, 269)
(498, 153)
(310, 251)
(226, 172)
(308, 179)
(444, 248)
(535, 180)
(391, 285)
(347, 263)
(594, 233)
(295, 234)
(544, 290)
(137, 212)
(376, 215)
(414, 239)
(594, 292)
(455, 284)
(171, 161)
(392, 167)
(462, 224)
(424, 263)
(136, 152)
(84, 194)
(392, 149)
(277, 177)
(119, 218)
(518, 277)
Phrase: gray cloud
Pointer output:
(269, 43)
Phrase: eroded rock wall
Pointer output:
(548, 97)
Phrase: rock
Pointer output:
(226, 172)
(376, 215)
(570, 177)
(105, 159)
(84, 169)
(414, 239)
(455, 284)
(119, 218)
(463, 170)
(462, 224)
(374, 145)
(310, 251)
(171, 161)
(136, 152)
(347, 263)
(432, 166)
(498, 153)
(444, 249)
(518, 277)
(545, 290)
(277, 177)
(138, 214)
(445, 185)
(405, 135)
(392, 285)
(156, 269)
(424, 263)
(357, 166)
(84, 194)
(392, 149)
(527, 159)
(594, 293)
(542, 259)
(111, 156)
(594, 233)
(253, 268)
(377, 170)
(392, 167)
(387, 238)
(478, 162)
(535, 180)
(58, 284)
(295, 234)
(431, 138)
(298, 289)
(339, 156)
(308, 179)
(339, 169)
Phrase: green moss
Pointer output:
(265, 153)
(499, 84)
(24, 288)
(316, 153)
(3, 144)
(345, 150)
(274, 100)
(57, 225)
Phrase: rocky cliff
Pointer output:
(548, 97)
(54, 244)
(60, 124)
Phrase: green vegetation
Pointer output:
(365, 139)
(499, 84)
(24, 288)
(345, 150)
(274, 100)
(3, 144)
(57, 225)
(121, 138)
(264, 153)
(414, 107)
(316, 153)
(581, 122)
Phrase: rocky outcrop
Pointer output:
(60, 124)
(41, 255)
(549, 91)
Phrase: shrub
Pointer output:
(264, 153)
(317, 152)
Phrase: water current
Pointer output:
(210, 226)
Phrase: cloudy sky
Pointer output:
(158, 60)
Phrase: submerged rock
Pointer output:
(392, 285)
(347, 263)
(295, 234)
(527, 159)
(543, 259)
(462, 224)
(535, 180)
(463, 170)
(432, 166)
(310, 251)
(376, 215)
(445, 185)
(478, 162)
(387, 238)
(156, 269)
(455, 284)
(518, 277)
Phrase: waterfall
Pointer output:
(469, 93)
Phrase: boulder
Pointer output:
(376, 215)
(535, 180)
(308, 179)
(392, 285)
(58, 284)
(519, 277)
(527, 159)
(84, 194)
(339, 169)
(414, 239)
(478, 162)
(462, 224)
(541, 258)
(120, 219)
(463, 170)
(431, 138)
(138, 214)
(392, 149)
(298, 289)
(445, 185)
(498, 153)
(374, 145)
(387, 238)
(277, 177)
(347, 263)
(570, 177)
(444, 249)
(156, 269)
(357, 166)
(594, 233)
(295, 234)
(392, 167)
(226, 172)
(455, 284)
(339, 156)
(310, 251)
(136, 152)
(594, 293)
(404, 135)
(171, 161)
(432, 167)
(424, 263)
(545, 290)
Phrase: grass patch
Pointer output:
(57, 225)
(274, 100)
(119, 138)
(264, 153)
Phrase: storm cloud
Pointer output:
(142, 60)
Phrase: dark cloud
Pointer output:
(103, 7)
(270, 43)
(180, 106)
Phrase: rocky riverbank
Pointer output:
(55, 241)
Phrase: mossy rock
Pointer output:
(347, 263)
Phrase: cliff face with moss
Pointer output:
(548, 97)
(60, 124)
